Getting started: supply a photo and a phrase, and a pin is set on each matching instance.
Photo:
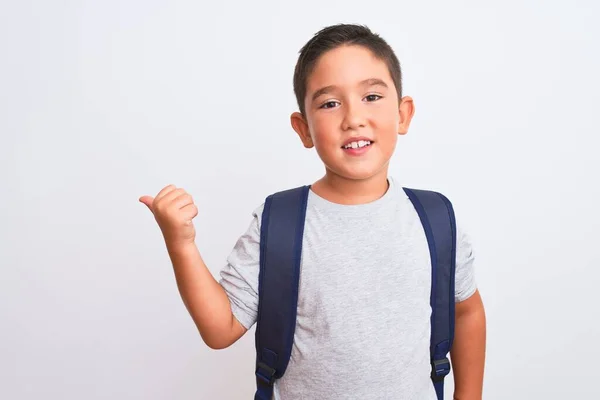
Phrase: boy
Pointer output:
(363, 314)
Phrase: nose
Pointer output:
(354, 117)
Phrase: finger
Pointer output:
(182, 201)
(168, 198)
(190, 211)
(147, 200)
(166, 190)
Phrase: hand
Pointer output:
(173, 210)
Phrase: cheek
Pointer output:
(387, 121)
(388, 118)
(322, 129)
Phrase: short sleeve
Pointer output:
(465, 285)
(239, 277)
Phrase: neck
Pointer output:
(340, 190)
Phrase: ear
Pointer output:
(301, 127)
(406, 110)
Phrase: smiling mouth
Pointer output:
(358, 144)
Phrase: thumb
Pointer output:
(147, 200)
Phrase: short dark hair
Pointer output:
(335, 36)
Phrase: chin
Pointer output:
(359, 174)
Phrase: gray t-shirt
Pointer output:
(363, 324)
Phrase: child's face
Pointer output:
(353, 116)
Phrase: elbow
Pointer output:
(216, 343)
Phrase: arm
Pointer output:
(468, 349)
(204, 298)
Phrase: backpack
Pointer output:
(281, 238)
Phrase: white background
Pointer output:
(102, 102)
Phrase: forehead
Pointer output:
(345, 66)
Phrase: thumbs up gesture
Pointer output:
(173, 209)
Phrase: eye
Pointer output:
(329, 104)
(373, 97)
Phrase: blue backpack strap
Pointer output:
(281, 235)
(437, 216)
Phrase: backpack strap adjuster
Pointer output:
(265, 373)
(440, 369)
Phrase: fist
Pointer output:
(173, 209)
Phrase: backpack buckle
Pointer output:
(439, 369)
(265, 373)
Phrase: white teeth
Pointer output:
(356, 145)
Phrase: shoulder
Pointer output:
(405, 192)
(283, 196)
(428, 197)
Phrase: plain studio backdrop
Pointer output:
(102, 102)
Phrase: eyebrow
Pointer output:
(366, 82)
